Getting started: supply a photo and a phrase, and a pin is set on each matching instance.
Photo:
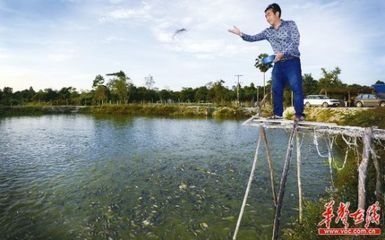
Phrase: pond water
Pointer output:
(118, 177)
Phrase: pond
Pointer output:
(118, 177)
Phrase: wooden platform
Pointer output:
(281, 123)
(330, 128)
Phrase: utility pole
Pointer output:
(258, 95)
(238, 76)
(149, 81)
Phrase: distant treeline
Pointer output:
(118, 88)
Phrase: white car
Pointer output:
(320, 100)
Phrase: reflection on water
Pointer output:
(117, 177)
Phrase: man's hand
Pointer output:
(235, 30)
(278, 57)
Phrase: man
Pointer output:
(283, 37)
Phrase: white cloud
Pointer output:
(163, 36)
(203, 20)
(63, 56)
(122, 13)
(115, 1)
(4, 54)
(25, 77)
(111, 39)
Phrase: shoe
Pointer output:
(275, 117)
(299, 118)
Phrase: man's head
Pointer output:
(273, 14)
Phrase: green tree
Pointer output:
(25, 95)
(152, 95)
(140, 94)
(174, 95)
(187, 95)
(201, 94)
(330, 79)
(74, 97)
(7, 95)
(101, 91)
(50, 95)
(165, 95)
(101, 94)
(85, 98)
(263, 68)
(99, 80)
(217, 92)
(119, 86)
(64, 94)
(249, 93)
(39, 96)
(310, 85)
(380, 82)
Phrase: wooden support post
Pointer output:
(247, 190)
(363, 167)
(330, 161)
(270, 163)
(300, 210)
(378, 176)
(285, 170)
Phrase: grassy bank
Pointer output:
(37, 110)
(171, 111)
(160, 110)
(363, 117)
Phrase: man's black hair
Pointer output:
(275, 8)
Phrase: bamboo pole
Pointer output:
(330, 160)
(300, 210)
(270, 163)
(378, 176)
(247, 190)
(285, 170)
(363, 167)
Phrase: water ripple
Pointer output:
(103, 177)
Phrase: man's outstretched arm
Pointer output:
(246, 37)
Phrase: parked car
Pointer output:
(369, 100)
(320, 100)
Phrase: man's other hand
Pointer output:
(278, 57)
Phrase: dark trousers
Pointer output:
(287, 73)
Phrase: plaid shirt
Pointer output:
(285, 39)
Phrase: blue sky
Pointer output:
(60, 43)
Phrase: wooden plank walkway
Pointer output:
(330, 128)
